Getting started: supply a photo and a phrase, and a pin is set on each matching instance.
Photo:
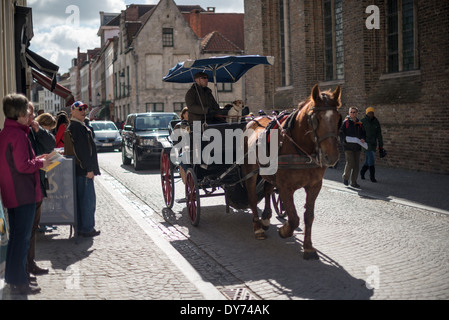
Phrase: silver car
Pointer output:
(107, 136)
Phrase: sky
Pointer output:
(61, 26)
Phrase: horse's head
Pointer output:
(325, 121)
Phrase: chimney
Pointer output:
(195, 22)
(132, 13)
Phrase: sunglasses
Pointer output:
(80, 109)
(79, 106)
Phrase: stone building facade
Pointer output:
(392, 55)
(154, 38)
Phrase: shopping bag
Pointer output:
(3, 241)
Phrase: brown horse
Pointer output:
(306, 148)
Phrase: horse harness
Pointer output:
(302, 159)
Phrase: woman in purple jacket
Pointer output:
(20, 189)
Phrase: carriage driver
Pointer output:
(201, 102)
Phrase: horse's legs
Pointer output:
(311, 195)
(252, 202)
(292, 223)
(266, 215)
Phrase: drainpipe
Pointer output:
(136, 71)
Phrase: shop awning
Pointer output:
(42, 65)
(59, 90)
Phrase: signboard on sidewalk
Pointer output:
(59, 207)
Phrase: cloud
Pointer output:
(60, 44)
(51, 13)
(61, 26)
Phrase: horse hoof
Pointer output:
(312, 255)
(260, 235)
(281, 235)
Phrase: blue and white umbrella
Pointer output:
(219, 69)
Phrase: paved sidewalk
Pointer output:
(131, 260)
(418, 189)
(128, 261)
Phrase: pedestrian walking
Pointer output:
(352, 127)
(79, 142)
(373, 137)
(20, 189)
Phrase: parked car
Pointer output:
(143, 135)
(107, 136)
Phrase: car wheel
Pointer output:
(136, 163)
(125, 159)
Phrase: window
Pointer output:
(128, 86)
(115, 86)
(333, 40)
(401, 36)
(224, 87)
(154, 107)
(178, 106)
(284, 42)
(167, 37)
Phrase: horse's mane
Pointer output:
(305, 103)
(309, 101)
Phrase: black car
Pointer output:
(143, 135)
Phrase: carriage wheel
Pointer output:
(167, 180)
(193, 197)
(277, 204)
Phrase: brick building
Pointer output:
(392, 55)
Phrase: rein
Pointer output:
(296, 161)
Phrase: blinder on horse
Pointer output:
(314, 123)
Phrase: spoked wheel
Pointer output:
(192, 197)
(167, 180)
(277, 204)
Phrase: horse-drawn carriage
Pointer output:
(209, 177)
(306, 142)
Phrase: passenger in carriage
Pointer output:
(201, 103)
(184, 123)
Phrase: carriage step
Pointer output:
(182, 200)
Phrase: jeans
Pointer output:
(369, 158)
(32, 250)
(20, 224)
(86, 202)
